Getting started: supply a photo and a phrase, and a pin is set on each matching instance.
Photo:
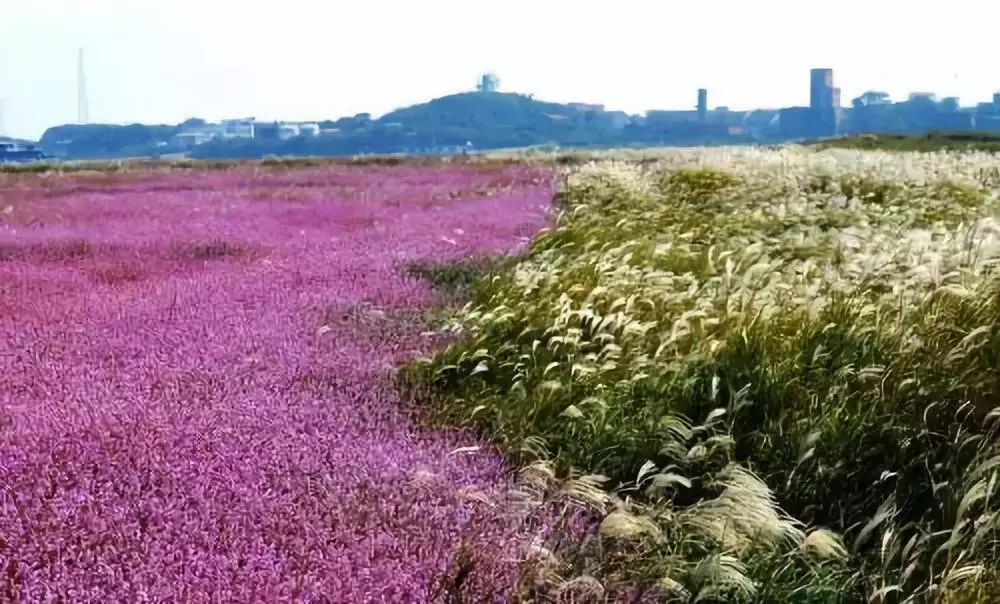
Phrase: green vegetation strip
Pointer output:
(786, 369)
(930, 142)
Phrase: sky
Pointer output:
(164, 61)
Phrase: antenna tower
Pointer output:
(83, 111)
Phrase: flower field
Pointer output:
(196, 401)
(729, 375)
(781, 367)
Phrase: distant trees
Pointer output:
(193, 122)
(104, 140)
(496, 120)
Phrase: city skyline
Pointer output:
(152, 65)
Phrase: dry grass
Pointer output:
(784, 361)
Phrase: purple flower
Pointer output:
(193, 394)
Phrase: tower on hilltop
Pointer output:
(489, 82)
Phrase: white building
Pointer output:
(309, 129)
(288, 130)
(238, 128)
(243, 128)
(192, 137)
(226, 129)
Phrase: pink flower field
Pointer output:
(195, 403)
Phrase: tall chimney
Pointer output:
(702, 104)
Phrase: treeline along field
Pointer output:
(786, 365)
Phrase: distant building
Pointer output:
(871, 98)
(309, 129)
(195, 135)
(986, 108)
(824, 102)
(763, 121)
(795, 122)
(287, 131)
(11, 152)
(586, 107)
(702, 104)
(820, 88)
(238, 128)
(192, 137)
(489, 82)
(243, 128)
(658, 117)
(618, 119)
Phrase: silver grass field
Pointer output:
(768, 375)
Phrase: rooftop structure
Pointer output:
(870, 98)
(488, 83)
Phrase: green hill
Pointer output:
(482, 112)
(93, 141)
(477, 120)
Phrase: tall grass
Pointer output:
(786, 365)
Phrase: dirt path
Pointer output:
(193, 398)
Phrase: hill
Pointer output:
(445, 124)
(93, 141)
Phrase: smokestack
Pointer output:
(702, 104)
(83, 110)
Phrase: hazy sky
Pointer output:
(167, 60)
